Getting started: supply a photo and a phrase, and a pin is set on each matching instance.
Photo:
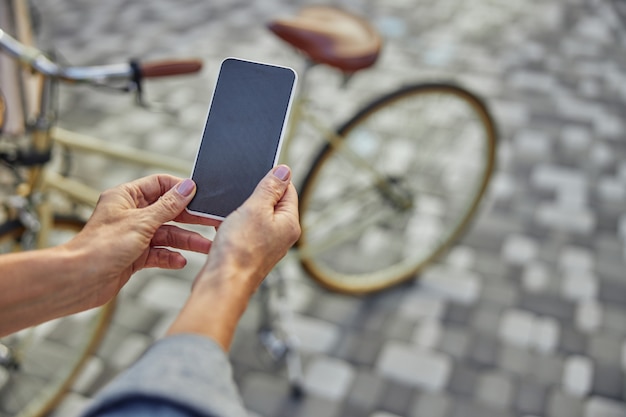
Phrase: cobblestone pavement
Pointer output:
(525, 317)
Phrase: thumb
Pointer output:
(273, 186)
(173, 202)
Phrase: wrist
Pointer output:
(218, 299)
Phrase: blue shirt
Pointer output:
(179, 376)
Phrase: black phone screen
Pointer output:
(242, 135)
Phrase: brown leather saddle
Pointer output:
(331, 36)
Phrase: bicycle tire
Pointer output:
(351, 251)
(57, 351)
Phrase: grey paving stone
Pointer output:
(514, 359)
(130, 350)
(384, 414)
(578, 221)
(349, 410)
(516, 327)
(489, 265)
(449, 283)
(455, 341)
(531, 398)
(431, 404)
(311, 406)
(387, 301)
(366, 390)
(545, 334)
(397, 398)
(603, 407)
(576, 258)
(548, 305)
(579, 285)
(484, 351)
(427, 370)
(371, 320)
(518, 249)
(252, 316)
(611, 273)
(399, 328)
(486, 318)
(463, 380)
(571, 341)
(329, 378)
(589, 316)
(495, 389)
(546, 369)
(532, 145)
(367, 351)
(487, 237)
(134, 315)
(563, 405)
(247, 350)
(427, 334)
(315, 335)
(612, 292)
(165, 293)
(577, 375)
(466, 408)
(457, 314)
(114, 337)
(608, 382)
(417, 305)
(605, 348)
(346, 344)
(66, 333)
(607, 246)
(614, 320)
(264, 394)
(337, 309)
(499, 293)
(536, 277)
(461, 257)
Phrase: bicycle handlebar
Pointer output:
(37, 60)
(169, 67)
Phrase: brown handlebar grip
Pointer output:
(169, 67)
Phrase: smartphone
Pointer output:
(242, 136)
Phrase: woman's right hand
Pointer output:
(248, 244)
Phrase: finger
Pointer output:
(272, 187)
(171, 204)
(177, 238)
(289, 201)
(149, 189)
(286, 211)
(188, 218)
(165, 259)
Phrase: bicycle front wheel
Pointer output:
(38, 365)
(397, 188)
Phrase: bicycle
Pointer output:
(387, 194)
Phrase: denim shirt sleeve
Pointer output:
(181, 375)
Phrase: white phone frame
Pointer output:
(280, 139)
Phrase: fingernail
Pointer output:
(185, 187)
(282, 172)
